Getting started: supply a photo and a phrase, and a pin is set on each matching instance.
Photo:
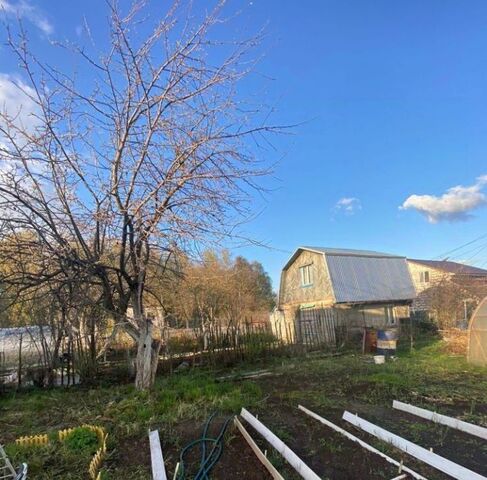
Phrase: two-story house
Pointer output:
(466, 282)
(353, 288)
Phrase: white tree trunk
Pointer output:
(147, 352)
(147, 358)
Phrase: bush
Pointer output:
(82, 440)
(256, 338)
(182, 344)
(423, 322)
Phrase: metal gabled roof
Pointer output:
(360, 279)
(350, 252)
(363, 276)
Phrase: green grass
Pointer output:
(426, 372)
(124, 412)
(82, 440)
(183, 396)
(68, 458)
(179, 404)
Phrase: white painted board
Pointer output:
(363, 444)
(280, 446)
(158, 468)
(258, 452)
(436, 461)
(455, 423)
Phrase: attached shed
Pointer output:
(477, 335)
(356, 288)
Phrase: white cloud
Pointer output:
(454, 205)
(15, 101)
(18, 108)
(347, 205)
(24, 9)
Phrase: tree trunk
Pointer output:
(147, 348)
(147, 358)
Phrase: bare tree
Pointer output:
(451, 301)
(222, 289)
(64, 307)
(150, 151)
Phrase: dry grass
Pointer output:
(456, 341)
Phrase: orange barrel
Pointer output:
(370, 341)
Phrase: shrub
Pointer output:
(182, 344)
(82, 440)
(259, 338)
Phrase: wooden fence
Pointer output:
(316, 327)
(312, 330)
(213, 344)
(220, 345)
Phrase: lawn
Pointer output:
(179, 405)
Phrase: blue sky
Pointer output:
(392, 101)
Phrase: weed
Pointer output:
(82, 440)
(331, 445)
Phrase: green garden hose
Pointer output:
(207, 460)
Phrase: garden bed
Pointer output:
(180, 404)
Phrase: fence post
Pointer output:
(19, 369)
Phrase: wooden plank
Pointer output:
(260, 455)
(466, 427)
(280, 446)
(158, 468)
(363, 444)
(436, 461)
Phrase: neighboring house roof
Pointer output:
(451, 267)
(359, 276)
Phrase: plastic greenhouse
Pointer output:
(477, 335)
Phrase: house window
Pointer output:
(306, 275)
(391, 316)
(424, 277)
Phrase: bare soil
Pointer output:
(329, 454)
(238, 461)
(333, 456)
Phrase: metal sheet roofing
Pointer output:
(363, 276)
(350, 252)
(357, 279)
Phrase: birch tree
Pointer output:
(150, 150)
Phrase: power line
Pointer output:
(467, 255)
(445, 254)
(477, 251)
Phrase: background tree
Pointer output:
(147, 155)
(219, 289)
(451, 300)
(65, 309)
